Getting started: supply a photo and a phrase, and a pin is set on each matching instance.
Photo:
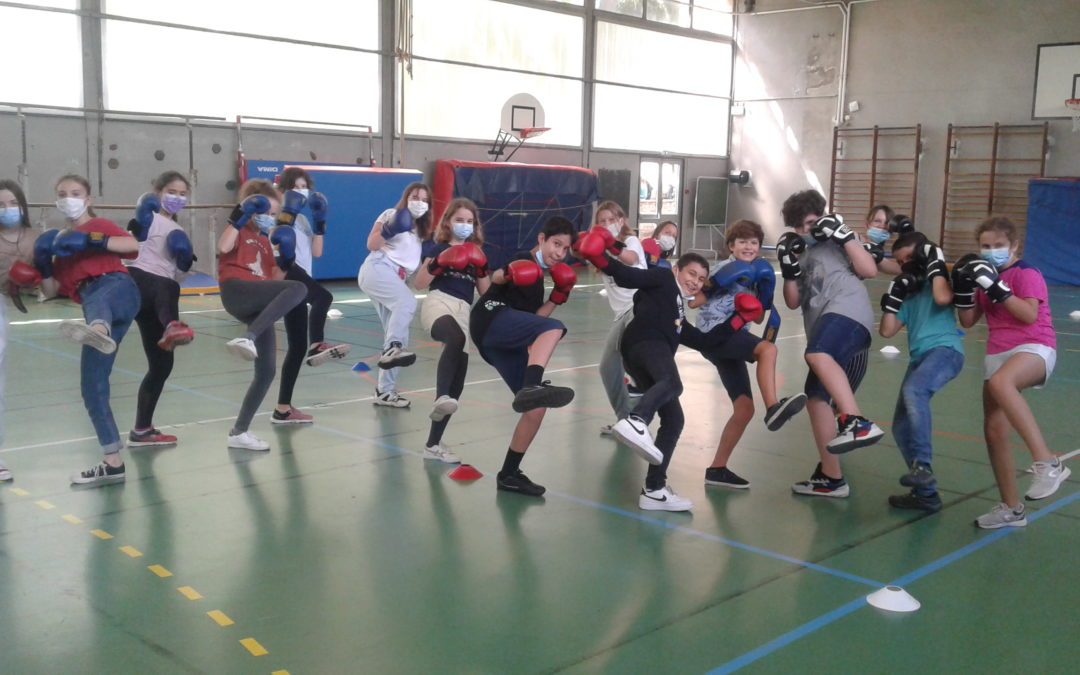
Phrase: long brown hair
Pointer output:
(444, 229)
(76, 178)
(20, 197)
(423, 223)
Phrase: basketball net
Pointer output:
(1073, 104)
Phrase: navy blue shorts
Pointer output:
(848, 342)
(730, 360)
(506, 342)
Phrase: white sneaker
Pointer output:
(390, 399)
(444, 407)
(1048, 478)
(663, 499)
(396, 356)
(1002, 516)
(441, 453)
(5, 472)
(635, 433)
(78, 331)
(247, 441)
(242, 347)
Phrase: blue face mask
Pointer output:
(540, 259)
(809, 239)
(996, 256)
(462, 230)
(10, 216)
(877, 235)
(265, 221)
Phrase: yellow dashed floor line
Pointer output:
(220, 618)
(253, 646)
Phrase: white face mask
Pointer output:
(614, 229)
(667, 243)
(71, 207)
(462, 230)
(304, 191)
(418, 207)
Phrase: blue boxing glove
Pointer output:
(145, 208)
(294, 201)
(243, 211)
(401, 222)
(74, 241)
(735, 273)
(320, 207)
(284, 238)
(43, 252)
(764, 281)
(179, 247)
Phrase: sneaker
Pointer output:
(443, 407)
(920, 476)
(1048, 478)
(821, 485)
(177, 333)
(247, 441)
(99, 473)
(324, 351)
(633, 431)
(396, 356)
(242, 347)
(150, 437)
(916, 502)
(663, 499)
(518, 482)
(783, 410)
(77, 331)
(853, 431)
(607, 430)
(441, 453)
(543, 395)
(390, 399)
(1002, 516)
(725, 477)
(5, 472)
(293, 416)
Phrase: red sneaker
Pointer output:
(294, 416)
(177, 333)
(152, 437)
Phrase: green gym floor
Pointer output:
(341, 551)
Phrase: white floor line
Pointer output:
(331, 404)
(1069, 455)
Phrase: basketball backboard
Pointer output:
(1057, 78)
(520, 112)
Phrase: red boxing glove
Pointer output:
(23, 275)
(523, 273)
(591, 247)
(453, 258)
(613, 245)
(652, 249)
(477, 259)
(564, 277)
(747, 309)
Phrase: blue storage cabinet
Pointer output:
(1052, 242)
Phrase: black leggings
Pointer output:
(160, 298)
(297, 326)
(652, 365)
(453, 365)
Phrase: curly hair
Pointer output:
(800, 205)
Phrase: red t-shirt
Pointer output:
(252, 259)
(70, 271)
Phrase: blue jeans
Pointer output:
(113, 299)
(912, 426)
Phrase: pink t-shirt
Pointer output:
(1005, 330)
(154, 254)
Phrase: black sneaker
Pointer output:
(821, 485)
(396, 356)
(783, 410)
(543, 395)
(520, 483)
(914, 502)
(725, 477)
(920, 476)
(99, 473)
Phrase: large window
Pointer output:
(44, 53)
(660, 92)
(173, 70)
(713, 16)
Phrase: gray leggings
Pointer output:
(259, 304)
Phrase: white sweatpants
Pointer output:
(394, 302)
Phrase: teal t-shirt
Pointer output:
(929, 325)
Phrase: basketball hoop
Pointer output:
(531, 132)
(1073, 104)
(498, 148)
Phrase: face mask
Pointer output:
(462, 230)
(996, 256)
(809, 239)
(303, 191)
(417, 208)
(614, 229)
(173, 203)
(877, 235)
(10, 216)
(71, 207)
(265, 221)
(667, 243)
(540, 259)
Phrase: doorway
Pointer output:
(660, 191)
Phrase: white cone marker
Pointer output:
(893, 599)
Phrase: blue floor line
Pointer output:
(840, 612)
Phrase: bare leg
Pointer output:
(1020, 372)
(740, 417)
(543, 347)
(835, 380)
(823, 424)
(525, 431)
(765, 354)
(996, 431)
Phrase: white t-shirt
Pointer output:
(401, 249)
(304, 235)
(154, 256)
(622, 299)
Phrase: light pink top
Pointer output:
(1005, 330)
(153, 254)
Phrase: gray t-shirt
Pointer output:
(829, 285)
